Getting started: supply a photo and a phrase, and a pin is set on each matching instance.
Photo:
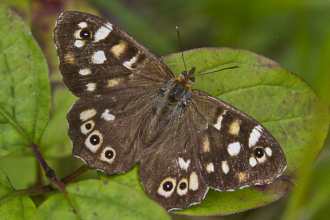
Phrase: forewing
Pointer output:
(234, 150)
(98, 58)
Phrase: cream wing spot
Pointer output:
(87, 114)
(84, 72)
(129, 64)
(219, 120)
(118, 49)
(182, 188)
(193, 181)
(252, 161)
(87, 127)
(90, 87)
(94, 141)
(255, 135)
(206, 144)
(167, 187)
(102, 33)
(234, 148)
(107, 116)
(210, 168)
(108, 155)
(268, 151)
(183, 164)
(98, 57)
(113, 82)
(225, 167)
(69, 58)
(82, 24)
(234, 127)
(242, 177)
(262, 159)
(79, 43)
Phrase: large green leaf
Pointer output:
(96, 199)
(278, 99)
(14, 206)
(24, 86)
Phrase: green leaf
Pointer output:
(24, 86)
(96, 199)
(278, 99)
(14, 206)
(58, 145)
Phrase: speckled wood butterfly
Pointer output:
(132, 108)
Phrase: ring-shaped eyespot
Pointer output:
(87, 127)
(94, 141)
(182, 187)
(166, 187)
(108, 155)
(259, 154)
(85, 34)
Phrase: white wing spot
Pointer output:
(234, 149)
(161, 190)
(102, 33)
(82, 24)
(225, 167)
(128, 64)
(84, 72)
(269, 151)
(252, 161)
(219, 120)
(91, 87)
(98, 57)
(107, 116)
(183, 164)
(108, 25)
(87, 114)
(255, 135)
(210, 168)
(79, 43)
(193, 181)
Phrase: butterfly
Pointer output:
(132, 109)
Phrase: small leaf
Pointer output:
(24, 86)
(96, 199)
(14, 206)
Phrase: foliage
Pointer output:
(282, 102)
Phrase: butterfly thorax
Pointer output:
(179, 91)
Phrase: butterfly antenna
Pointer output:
(184, 63)
(232, 67)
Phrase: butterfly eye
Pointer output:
(182, 187)
(167, 187)
(94, 141)
(260, 155)
(108, 155)
(85, 34)
(258, 152)
(87, 127)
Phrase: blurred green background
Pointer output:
(294, 33)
